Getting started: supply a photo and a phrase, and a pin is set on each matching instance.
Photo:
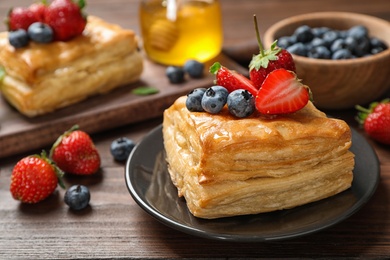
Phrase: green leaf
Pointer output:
(215, 67)
(144, 91)
(2, 74)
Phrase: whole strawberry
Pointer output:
(268, 60)
(20, 18)
(231, 80)
(376, 120)
(34, 178)
(74, 152)
(66, 19)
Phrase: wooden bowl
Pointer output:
(340, 84)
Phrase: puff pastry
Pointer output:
(225, 166)
(43, 77)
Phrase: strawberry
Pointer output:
(66, 19)
(231, 79)
(268, 60)
(20, 18)
(38, 10)
(282, 93)
(74, 152)
(376, 120)
(34, 178)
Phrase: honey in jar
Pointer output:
(175, 31)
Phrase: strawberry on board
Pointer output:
(231, 80)
(66, 19)
(268, 60)
(34, 178)
(376, 120)
(282, 93)
(74, 152)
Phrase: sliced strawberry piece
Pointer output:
(231, 80)
(282, 93)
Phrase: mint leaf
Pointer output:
(144, 91)
(2, 74)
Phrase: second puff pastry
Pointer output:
(41, 78)
(224, 166)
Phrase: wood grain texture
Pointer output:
(115, 227)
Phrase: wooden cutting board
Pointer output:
(99, 113)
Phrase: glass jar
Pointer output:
(174, 31)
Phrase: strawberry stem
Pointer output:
(261, 48)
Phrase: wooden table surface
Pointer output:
(115, 227)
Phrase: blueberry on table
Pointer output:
(194, 100)
(18, 38)
(175, 74)
(40, 32)
(194, 68)
(121, 148)
(214, 99)
(77, 197)
(241, 103)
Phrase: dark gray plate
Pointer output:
(150, 186)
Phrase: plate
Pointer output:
(150, 186)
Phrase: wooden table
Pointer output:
(115, 227)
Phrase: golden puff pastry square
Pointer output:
(41, 78)
(225, 166)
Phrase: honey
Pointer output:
(187, 30)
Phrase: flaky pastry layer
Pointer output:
(43, 77)
(225, 166)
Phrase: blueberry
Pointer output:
(329, 37)
(319, 52)
(377, 43)
(175, 74)
(194, 68)
(338, 44)
(214, 99)
(298, 49)
(304, 34)
(241, 103)
(358, 31)
(362, 46)
(40, 32)
(121, 148)
(194, 100)
(18, 38)
(320, 31)
(77, 197)
(284, 42)
(342, 54)
(317, 42)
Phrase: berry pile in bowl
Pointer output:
(343, 57)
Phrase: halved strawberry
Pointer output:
(282, 93)
(231, 80)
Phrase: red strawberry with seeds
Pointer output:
(66, 19)
(268, 60)
(38, 9)
(376, 120)
(282, 93)
(74, 152)
(231, 79)
(34, 178)
(20, 18)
